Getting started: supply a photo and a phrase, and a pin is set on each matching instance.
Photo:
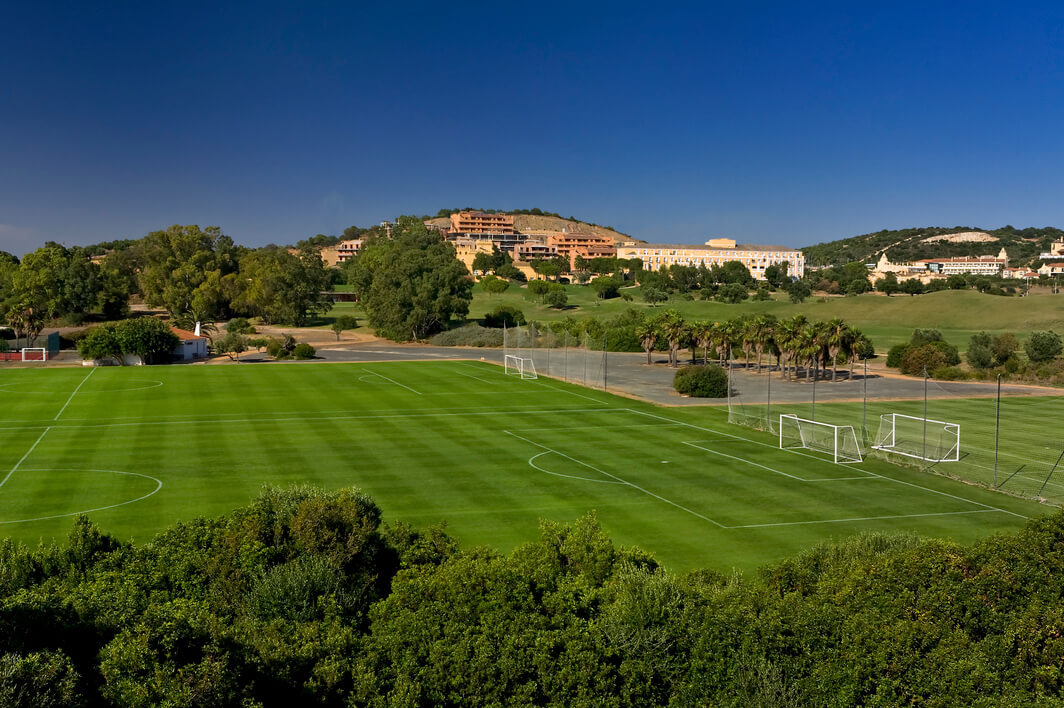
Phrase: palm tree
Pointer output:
(747, 331)
(764, 335)
(702, 334)
(674, 329)
(788, 338)
(821, 333)
(723, 338)
(838, 338)
(860, 347)
(648, 335)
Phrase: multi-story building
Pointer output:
(341, 252)
(477, 222)
(466, 250)
(976, 265)
(716, 252)
(1056, 250)
(572, 245)
(532, 249)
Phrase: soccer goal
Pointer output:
(34, 354)
(520, 366)
(839, 441)
(922, 438)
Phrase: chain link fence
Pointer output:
(1007, 437)
(580, 359)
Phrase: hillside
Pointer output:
(531, 222)
(1022, 245)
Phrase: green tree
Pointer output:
(776, 275)
(1004, 346)
(1043, 346)
(416, 285)
(341, 323)
(493, 285)
(606, 286)
(101, 343)
(232, 345)
(888, 284)
(912, 286)
(980, 352)
(556, 297)
(652, 295)
(150, 339)
(280, 287)
(798, 291)
(648, 336)
(539, 288)
(732, 293)
(674, 329)
(188, 269)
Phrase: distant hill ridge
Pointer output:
(903, 245)
(525, 222)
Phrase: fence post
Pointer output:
(864, 403)
(768, 404)
(812, 410)
(605, 359)
(924, 453)
(997, 428)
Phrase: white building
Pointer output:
(716, 252)
(976, 265)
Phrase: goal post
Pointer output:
(839, 441)
(520, 366)
(920, 438)
(34, 354)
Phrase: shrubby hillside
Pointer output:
(305, 597)
(1022, 245)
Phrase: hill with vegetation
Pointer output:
(538, 220)
(902, 245)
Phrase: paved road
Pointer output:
(629, 374)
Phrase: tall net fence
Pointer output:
(580, 359)
(998, 435)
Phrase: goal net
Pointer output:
(839, 441)
(922, 438)
(34, 354)
(520, 366)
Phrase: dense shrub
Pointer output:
(950, 373)
(895, 353)
(303, 351)
(700, 381)
(1043, 346)
(918, 359)
(471, 335)
(504, 316)
(624, 339)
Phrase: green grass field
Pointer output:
(957, 313)
(142, 448)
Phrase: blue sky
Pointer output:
(766, 122)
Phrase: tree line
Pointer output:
(306, 597)
(194, 274)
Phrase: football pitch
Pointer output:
(141, 448)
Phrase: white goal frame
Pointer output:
(839, 435)
(887, 437)
(42, 350)
(519, 366)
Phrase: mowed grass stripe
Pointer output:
(215, 435)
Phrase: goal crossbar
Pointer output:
(920, 438)
(36, 354)
(839, 441)
(519, 366)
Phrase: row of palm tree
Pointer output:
(795, 343)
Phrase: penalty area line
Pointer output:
(619, 480)
(865, 518)
(392, 381)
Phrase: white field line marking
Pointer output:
(607, 427)
(622, 481)
(204, 421)
(532, 463)
(863, 518)
(158, 486)
(889, 479)
(765, 467)
(470, 376)
(91, 372)
(28, 453)
(573, 393)
(392, 381)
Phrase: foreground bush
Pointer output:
(710, 381)
(305, 597)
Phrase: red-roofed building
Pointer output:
(192, 346)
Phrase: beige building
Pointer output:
(478, 222)
(716, 252)
(976, 265)
(532, 249)
(572, 245)
(341, 252)
(466, 250)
